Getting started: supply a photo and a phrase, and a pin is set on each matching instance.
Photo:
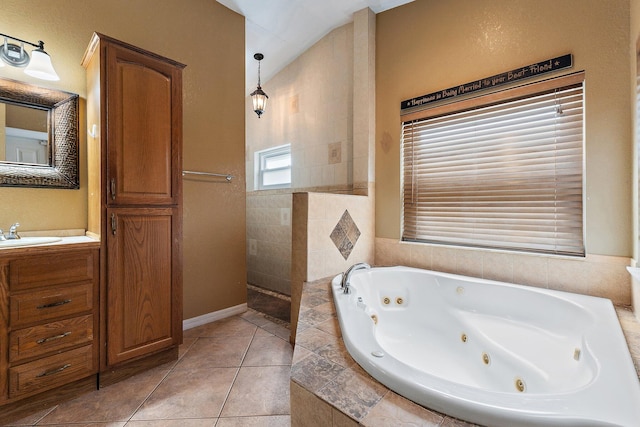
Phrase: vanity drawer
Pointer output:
(48, 270)
(55, 336)
(50, 372)
(46, 304)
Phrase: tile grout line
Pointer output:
(159, 383)
(235, 377)
(43, 417)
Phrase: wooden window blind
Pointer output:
(500, 171)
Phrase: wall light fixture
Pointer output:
(258, 96)
(38, 65)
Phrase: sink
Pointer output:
(28, 241)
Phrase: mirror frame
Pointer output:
(64, 166)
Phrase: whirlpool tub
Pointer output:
(491, 353)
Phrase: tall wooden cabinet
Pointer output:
(134, 116)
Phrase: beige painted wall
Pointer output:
(430, 45)
(209, 38)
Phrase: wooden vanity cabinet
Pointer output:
(134, 103)
(144, 304)
(48, 319)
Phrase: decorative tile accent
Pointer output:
(345, 235)
(335, 153)
(294, 105)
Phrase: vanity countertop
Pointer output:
(77, 241)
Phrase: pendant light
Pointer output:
(258, 96)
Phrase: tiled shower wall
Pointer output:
(321, 257)
(323, 104)
(316, 252)
(269, 240)
(318, 125)
(310, 107)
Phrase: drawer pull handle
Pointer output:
(54, 304)
(53, 338)
(53, 371)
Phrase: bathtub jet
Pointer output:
(487, 352)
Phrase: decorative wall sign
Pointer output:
(539, 68)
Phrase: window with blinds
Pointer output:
(500, 171)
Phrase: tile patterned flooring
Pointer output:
(230, 373)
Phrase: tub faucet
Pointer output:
(13, 234)
(346, 276)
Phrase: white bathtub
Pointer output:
(490, 353)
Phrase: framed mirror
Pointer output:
(38, 136)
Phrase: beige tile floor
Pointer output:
(230, 373)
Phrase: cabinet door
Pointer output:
(144, 128)
(144, 303)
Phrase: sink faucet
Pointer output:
(13, 234)
(346, 276)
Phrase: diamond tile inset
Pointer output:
(345, 235)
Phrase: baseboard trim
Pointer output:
(213, 316)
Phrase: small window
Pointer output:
(273, 168)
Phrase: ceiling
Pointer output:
(283, 29)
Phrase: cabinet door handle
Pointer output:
(113, 188)
(53, 371)
(53, 338)
(114, 224)
(54, 304)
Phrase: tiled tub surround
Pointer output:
(314, 251)
(494, 353)
(329, 388)
(596, 275)
(269, 232)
